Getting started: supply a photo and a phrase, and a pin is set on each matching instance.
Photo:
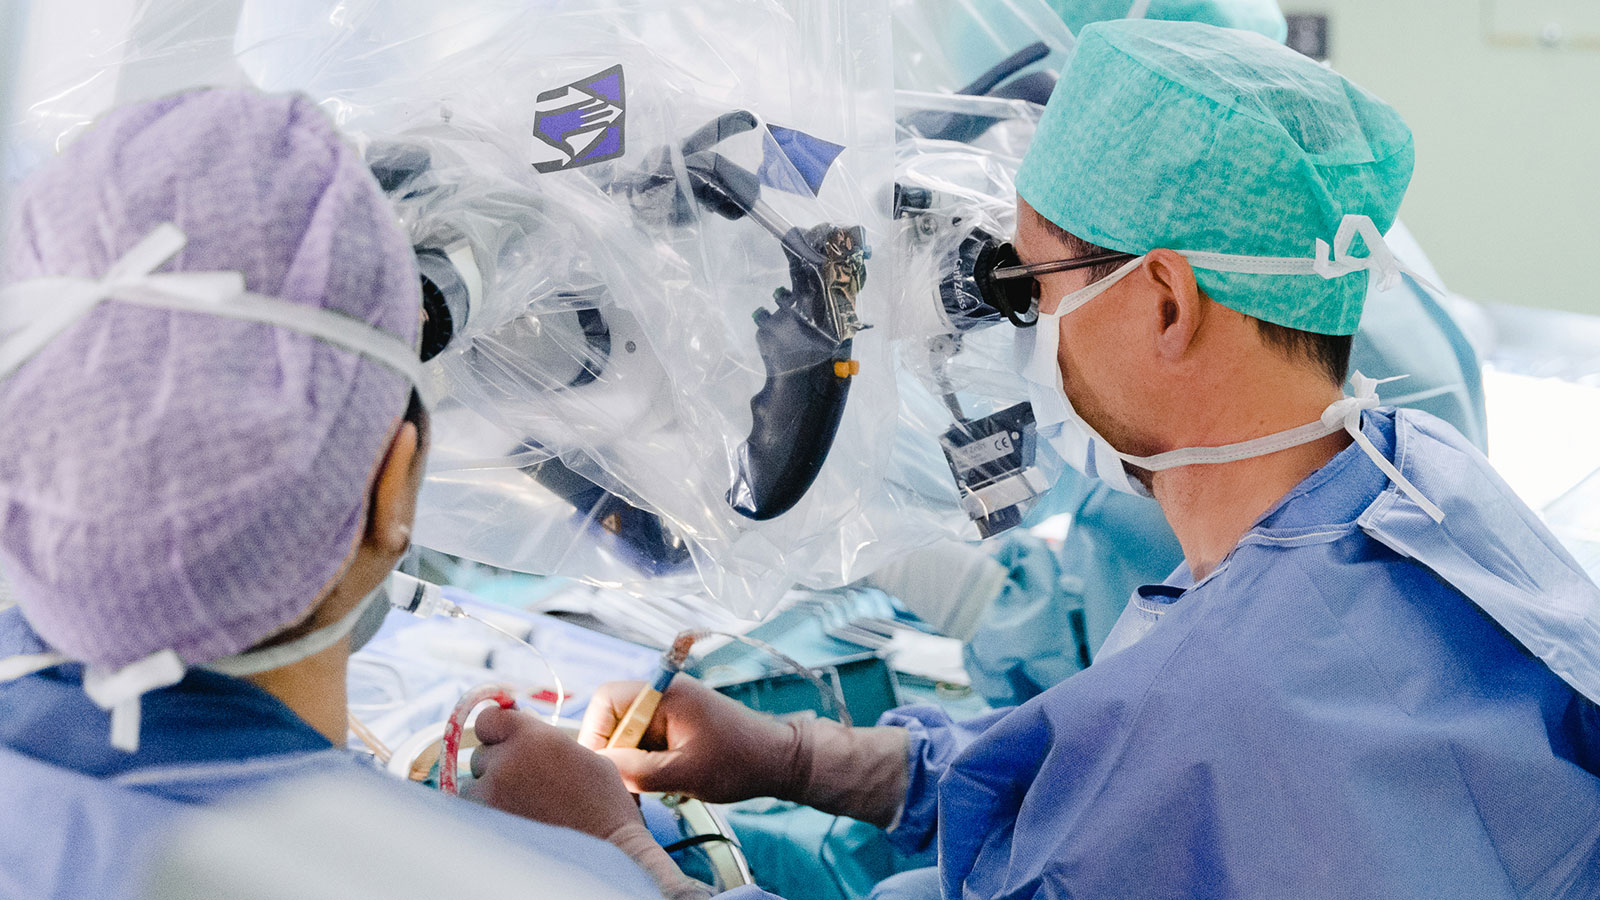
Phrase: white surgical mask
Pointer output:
(1058, 424)
(1083, 448)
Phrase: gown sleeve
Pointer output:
(935, 742)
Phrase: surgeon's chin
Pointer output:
(1123, 440)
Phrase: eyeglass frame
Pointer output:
(1032, 270)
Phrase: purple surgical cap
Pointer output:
(183, 481)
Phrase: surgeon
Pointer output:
(1374, 673)
(1039, 592)
(203, 489)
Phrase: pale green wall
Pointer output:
(1506, 197)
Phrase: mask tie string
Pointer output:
(1347, 412)
(35, 312)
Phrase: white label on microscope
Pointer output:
(982, 451)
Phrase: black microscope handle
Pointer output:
(1000, 81)
(795, 416)
(986, 83)
(804, 345)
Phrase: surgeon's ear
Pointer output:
(1181, 307)
(394, 493)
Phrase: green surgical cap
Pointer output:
(1183, 136)
(1260, 16)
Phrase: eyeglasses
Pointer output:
(1013, 288)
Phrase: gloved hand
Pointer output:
(530, 769)
(705, 745)
(700, 743)
(533, 770)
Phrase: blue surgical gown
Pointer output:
(1333, 712)
(82, 820)
(1047, 625)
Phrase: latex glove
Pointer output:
(700, 743)
(530, 769)
(705, 745)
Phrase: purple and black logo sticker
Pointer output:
(580, 124)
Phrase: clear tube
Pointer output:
(424, 599)
(561, 690)
(420, 598)
(831, 693)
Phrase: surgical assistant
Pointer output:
(1375, 673)
(209, 468)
